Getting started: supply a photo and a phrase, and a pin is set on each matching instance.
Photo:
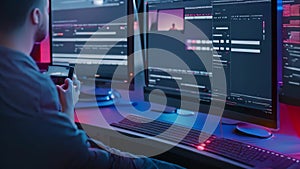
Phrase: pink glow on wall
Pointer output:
(45, 51)
(289, 119)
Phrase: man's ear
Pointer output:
(35, 16)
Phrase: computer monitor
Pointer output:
(238, 37)
(290, 93)
(96, 37)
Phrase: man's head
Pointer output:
(30, 15)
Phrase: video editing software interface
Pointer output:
(90, 33)
(291, 50)
(238, 39)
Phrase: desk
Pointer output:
(96, 123)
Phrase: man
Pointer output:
(173, 28)
(34, 133)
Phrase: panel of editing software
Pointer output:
(91, 33)
(75, 28)
(223, 34)
(291, 48)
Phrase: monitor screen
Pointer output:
(189, 42)
(290, 93)
(95, 36)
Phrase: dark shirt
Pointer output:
(35, 135)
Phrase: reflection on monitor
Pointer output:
(170, 20)
(93, 36)
(236, 36)
(290, 93)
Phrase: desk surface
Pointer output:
(285, 140)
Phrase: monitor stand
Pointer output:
(102, 96)
(106, 96)
(172, 110)
(248, 129)
(183, 112)
(253, 130)
(229, 121)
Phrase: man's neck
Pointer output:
(17, 41)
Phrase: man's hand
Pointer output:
(69, 95)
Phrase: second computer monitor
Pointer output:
(236, 36)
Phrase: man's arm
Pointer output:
(102, 157)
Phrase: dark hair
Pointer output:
(13, 13)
